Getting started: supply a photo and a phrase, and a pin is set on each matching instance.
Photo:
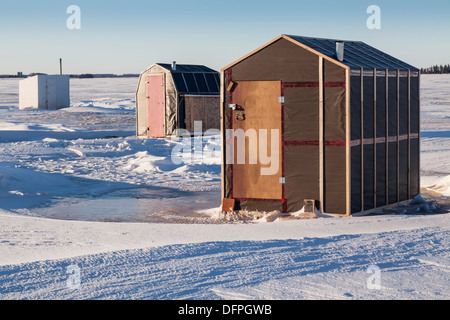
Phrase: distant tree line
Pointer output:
(436, 69)
(81, 76)
(106, 75)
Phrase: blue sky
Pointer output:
(119, 36)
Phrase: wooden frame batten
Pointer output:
(374, 137)
(362, 139)
(398, 135)
(321, 136)
(348, 145)
(387, 139)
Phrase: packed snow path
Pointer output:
(414, 263)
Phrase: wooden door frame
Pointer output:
(281, 158)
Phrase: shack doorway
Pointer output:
(156, 106)
(256, 113)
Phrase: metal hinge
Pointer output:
(281, 99)
(282, 180)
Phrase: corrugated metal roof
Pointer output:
(357, 54)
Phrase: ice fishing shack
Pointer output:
(345, 117)
(49, 92)
(174, 96)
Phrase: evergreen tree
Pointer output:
(436, 69)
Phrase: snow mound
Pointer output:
(418, 200)
(260, 216)
(143, 162)
(21, 187)
(441, 187)
(418, 205)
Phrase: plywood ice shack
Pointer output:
(348, 127)
(44, 92)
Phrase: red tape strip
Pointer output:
(329, 84)
(263, 200)
(327, 143)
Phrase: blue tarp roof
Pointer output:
(357, 54)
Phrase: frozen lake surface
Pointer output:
(84, 163)
(78, 189)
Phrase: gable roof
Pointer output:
(357, 54)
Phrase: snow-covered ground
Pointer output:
(435, 133)
(82, 198)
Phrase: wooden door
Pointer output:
(156, 106)
(257, 107)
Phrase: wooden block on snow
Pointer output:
(228, 205)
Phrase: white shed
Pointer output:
(44, 92)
